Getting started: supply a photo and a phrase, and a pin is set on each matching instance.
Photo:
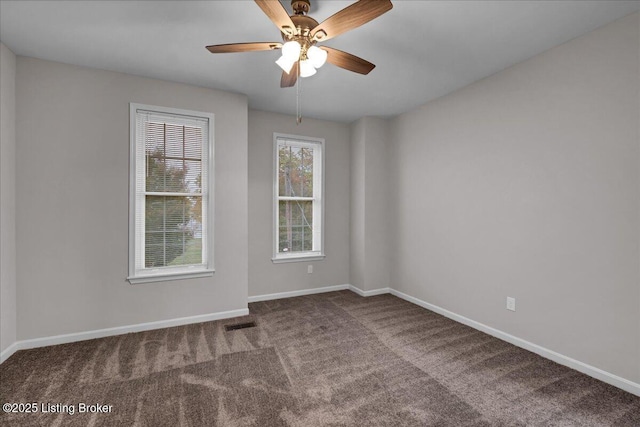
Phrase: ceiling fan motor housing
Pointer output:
(304, 24)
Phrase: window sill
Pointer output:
(298, 258)
(170, 276)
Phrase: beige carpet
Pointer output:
(331, 359)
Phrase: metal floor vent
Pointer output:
(239, 326)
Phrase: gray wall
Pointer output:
(369, 204)
(7, 197)
(527, 184)
(266, 277)
(72, 201)
(357, 204)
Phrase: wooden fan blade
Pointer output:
(278, 15)
(243, 47)
(289, 80)
(349, 18)
(347, 61)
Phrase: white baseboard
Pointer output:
(370, 293)
(9, 351)
(592, 371)
(299, 293)
(101, 333)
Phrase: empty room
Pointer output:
(320, 213)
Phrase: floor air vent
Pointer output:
(239, 326)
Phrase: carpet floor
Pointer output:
(334, 359)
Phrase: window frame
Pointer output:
(313, 255)
(137, 276)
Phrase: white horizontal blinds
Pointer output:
(297, 207)
(171, 190)
(296, 169)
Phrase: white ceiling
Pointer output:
(422, 49)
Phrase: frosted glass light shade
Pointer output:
(317, 56)
(291, 51)
(285, 64)
(306, 69)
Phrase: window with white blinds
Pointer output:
(171, 227)
(298, 198)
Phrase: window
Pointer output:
(171, 202)
(298, 198)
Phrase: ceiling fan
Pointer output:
(300, 34)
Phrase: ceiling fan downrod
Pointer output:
(300, 7)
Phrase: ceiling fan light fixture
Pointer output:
(317, 56)
(285, 64)
(291, 51)
(306, 68)
(300, 32)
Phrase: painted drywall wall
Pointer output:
(72, 201)
(265, 277)
(377, 221)
(357, 205)
(7, 198)
(370, 220)
(527, 184)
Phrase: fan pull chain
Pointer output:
(298, 103)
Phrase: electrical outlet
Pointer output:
(310, 269)
(511, 303)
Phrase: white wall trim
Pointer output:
(138, 273)
(370, 293)
(298, 258)
(9, 351)
(166, 277)
(322, 290)
(120, 330)
(592, 371)
(318, 146)
(299, 293)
